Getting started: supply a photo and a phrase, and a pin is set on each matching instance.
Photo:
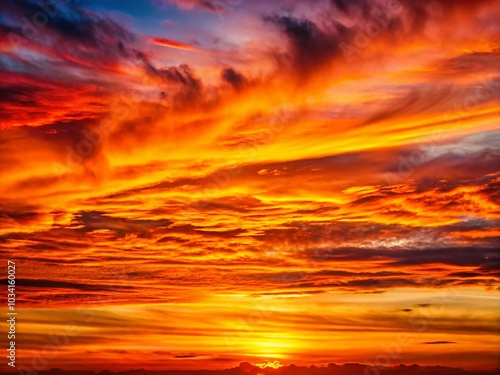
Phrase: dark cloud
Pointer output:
(316, 43)
(459, 256)
(469, 63)
(309, 47)
(438, 342)
(20, 214)
(22, 95)
(330, 369)
(358, 274)
(182, 74)
(492, 190)
(356, 285)
(60, 284)
(26, 99)
(381, 283)
(234, 78)
(351, 7)
(465, 274)
(467, 256)
(172, 239)
(182, 78)
(95, 220)
(417, 101)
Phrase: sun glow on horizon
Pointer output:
(269, 364)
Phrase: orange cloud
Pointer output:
(171, 44)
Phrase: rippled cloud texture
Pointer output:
(193, 184)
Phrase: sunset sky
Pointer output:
(191, 184)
